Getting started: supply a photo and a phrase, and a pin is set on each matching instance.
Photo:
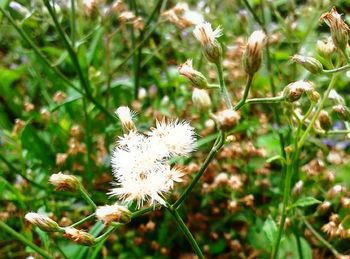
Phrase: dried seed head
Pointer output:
(325, 120)
(252, 56)
(125, 116)
(313, 95)
(207, 37)
(342, 111)
(339, 29)
(298, 187)
(79, 236)
(61, 158)
(330, 228)
(227, 119)
(195, 77)
(334, 218)
(310, 63)
(64, 182)
(42, 221)
(345, 202)
(201, 99)
(59, 97)
(117, 213)
(325, 48)
(324, 206)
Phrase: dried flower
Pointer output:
(310, 63)
(201, 99)
(182, 16)
(115, 212)
(42, 221)
(324, 206)
(298, 187)
(345, 202)
(330, 228)
(59, 97)
(125, 116)
(342, 111)
(252, 56)
(293, 91)
(64, 182)
(194, 76)
(207, 37)
(339, 29)
(79, 236)
(227, 119)
(61, 158)
(325, 120)
(140, 162)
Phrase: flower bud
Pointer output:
(337, 98)
(252, 56)
(125, 116)
(109, 213)
(227, 119)
(195, 77)
(310, 63)
(207, 37)
(325, 120)
(42, 221)
(325, 48)
(339, 29)
(294, 91)
(79, 236)
(313, 95)
(201, 99)
(64, 182)
(342, 111)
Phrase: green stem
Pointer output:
(321, 239)
(223, 88)
(275, 99)
(25, 241)
(110, 230)
(336, 70)
(82, 221)
(318, 111)
(186, 232)
(87, 197)
(219, 142)
(73, 22)
(88, 138)
(245, 93)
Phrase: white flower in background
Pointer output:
(140, 162)
(205, 34)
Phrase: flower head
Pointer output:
(42, 221)
(252, 56)
(207, 37)
(115, 212)
(140, 163)
(310, 63)
(339, 29)
(79, 236)
(195, 77)
(201, 99)
(125, 116)
(64, 182)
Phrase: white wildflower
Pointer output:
(205, 34)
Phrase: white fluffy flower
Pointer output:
(205, 34)
(140, 163)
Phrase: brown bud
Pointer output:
(325, 120)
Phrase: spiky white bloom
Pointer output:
(140, 164)
(177, 136)
(205, 34)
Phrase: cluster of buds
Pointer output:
(109, 213)
(196, 78)
(339, 29)
(294, 91)
(252, 56)
(309, 63)
(207, 37)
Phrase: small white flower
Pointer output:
(205, 34)
(125, 116)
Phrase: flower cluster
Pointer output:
(140, 161)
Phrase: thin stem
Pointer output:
(336, 70)
(223, 88)
(87, 197)
(109, 231)
(25, 241)
(317, 113)
(73, 27)
(219, 142)
(251, 10)
(186, 232)
(88, 138)
(320, 238)
(275, 99)
(245, 93)
(82, 221)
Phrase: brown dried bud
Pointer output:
(342, 111)
(294, 91)
(339, 29)
(64, 182)
(252, 56)
(42, 221)
(227, 119)
(195, 77)
(79, 236)
(109, 213)
(310, 63)
(325, 120)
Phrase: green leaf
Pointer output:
(304, 202)
(270, 230)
